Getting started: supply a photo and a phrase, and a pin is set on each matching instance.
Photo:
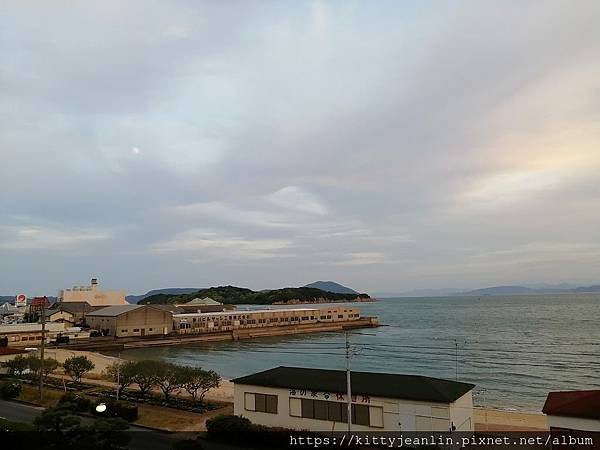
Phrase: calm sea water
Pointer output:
(515, 348)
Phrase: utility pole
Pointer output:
(456, 357)
(44, 299)
(348, 382)
(118, 375)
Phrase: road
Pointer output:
(141, 438)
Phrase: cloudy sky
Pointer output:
(385, 145)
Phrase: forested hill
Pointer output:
(235, 296)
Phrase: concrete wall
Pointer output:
(393, 414)
(461, 413)
(574, 423)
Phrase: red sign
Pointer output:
(21, 300)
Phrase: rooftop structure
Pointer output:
(113, 311)
(203, 301)
(92, 295)
(410, 387)
(581, 404)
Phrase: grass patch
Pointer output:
(31, 394)
(171, 419)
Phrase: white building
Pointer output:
(573, 411)
(315, 400)
(93, 295)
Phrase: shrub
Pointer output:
(81, 404)
(228, 426)
(114, 408)
(10, 390)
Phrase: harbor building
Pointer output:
(92, 295)
(316, 400)
(131, 320)
(232, 320)
(576, 413)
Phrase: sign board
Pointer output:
(21, 300)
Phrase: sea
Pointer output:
(515, 349)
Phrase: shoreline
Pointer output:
(489, 418)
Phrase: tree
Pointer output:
(16, 365)
(146, 375)
(50, 365)
(34, 364)
(77, 366)
(59, 419)
(9, 390)
(31, 317)
(170, 378)
(198, 382)
(122, 373)
(63, 430)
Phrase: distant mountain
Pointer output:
(522, 290)
(500, 290)
(11, 299)
(591, 289)
(331, 286)
(170, 291)
(236, 296)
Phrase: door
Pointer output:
(143, 332)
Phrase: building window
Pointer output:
(136, 330)
(360, 415)
(335, 411)
(262, 403)
(340, 316)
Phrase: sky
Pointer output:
(388, 146)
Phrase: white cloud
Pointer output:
(46, 238)
(199, 244)
(298, 199)
(361, 259)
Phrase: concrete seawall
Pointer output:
(237, 334)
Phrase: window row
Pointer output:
(336, 411)
(260, 402)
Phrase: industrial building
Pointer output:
(92, 295)
(131, 320)
(29, 334)
(231, 320)
(316, 400)
(75, 310)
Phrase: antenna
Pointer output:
(348, 382)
